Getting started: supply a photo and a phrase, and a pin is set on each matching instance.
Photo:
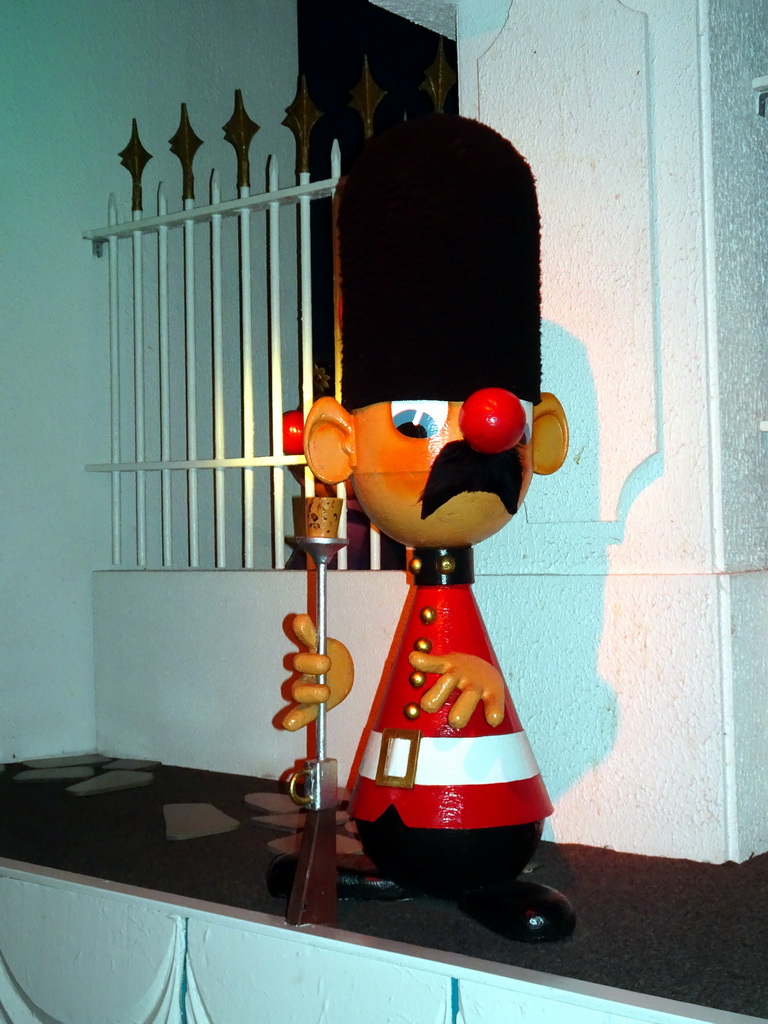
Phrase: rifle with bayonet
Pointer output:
(313, 894)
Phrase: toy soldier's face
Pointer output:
(399, 447)
(416, 475)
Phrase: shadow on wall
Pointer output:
(542, 589)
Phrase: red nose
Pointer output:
(293, 432)
(492, 420)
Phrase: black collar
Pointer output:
(433, 567)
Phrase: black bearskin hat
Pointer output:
(439, 253)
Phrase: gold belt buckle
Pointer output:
(389, 738)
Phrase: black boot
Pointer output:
(352, 882)
(523, 911)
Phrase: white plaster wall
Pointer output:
(71, 78)
(437, 16)
(739, 53)
(614, 141)
(193, 667)
(748, 626)
(739, 239)
(660, 787)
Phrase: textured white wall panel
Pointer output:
(479, 1003)
(71, 958)
(246, 978)
(246, 967)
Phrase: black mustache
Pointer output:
(459, 468)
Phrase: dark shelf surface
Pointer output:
(679, 929)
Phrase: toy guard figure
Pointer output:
(441, 428)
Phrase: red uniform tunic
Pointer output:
(438, 776)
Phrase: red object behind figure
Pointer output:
(293, 432)
(492, 420)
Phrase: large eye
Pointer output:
(528, 432)
(419, 419)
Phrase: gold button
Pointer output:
(446, 564)
(423, 645)
(427, 615)
(411, 711)
(415, 565)
(417, 679)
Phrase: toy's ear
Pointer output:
(550, 435)
(329, 441)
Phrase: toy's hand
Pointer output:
(336, 665)
(477, 679)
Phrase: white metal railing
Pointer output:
(210, 333)
(197, 386)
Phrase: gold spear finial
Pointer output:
(135, 158)
(366, 96)
(239, 131)
(184, 145)
(439, 79)
(301, 117)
